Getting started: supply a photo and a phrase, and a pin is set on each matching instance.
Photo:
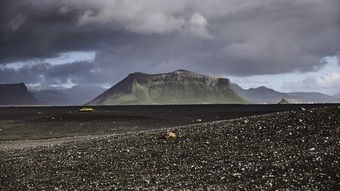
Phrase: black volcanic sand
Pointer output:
(295, 150)
(34, 123)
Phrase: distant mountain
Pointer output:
(336, 96)
(53, 97)
(77, 95)
(83, 94)
(311, 97)
(17, 94)
(266, 95)
(178, 87)
(260, 95)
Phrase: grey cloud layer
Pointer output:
(44, 73)
(217, 36)
(329, 82)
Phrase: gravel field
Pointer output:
(295, 150)
(40, 123)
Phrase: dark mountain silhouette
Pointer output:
(17, 94)
(178, 87)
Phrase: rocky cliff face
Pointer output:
(178, 87)
(16, 94)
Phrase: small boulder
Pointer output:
(170, 135)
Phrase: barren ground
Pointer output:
(294, 150)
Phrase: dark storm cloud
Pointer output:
(34, 31)
(44, 73)
(217, 36)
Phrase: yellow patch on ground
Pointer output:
(86, 109)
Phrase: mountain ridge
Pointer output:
(177, 87)
(259, 95)
(76, 95)
(264, 95)
(17, 94)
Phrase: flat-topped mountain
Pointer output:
(178, 87)
(16, 94)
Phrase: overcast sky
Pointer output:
(289, 45)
